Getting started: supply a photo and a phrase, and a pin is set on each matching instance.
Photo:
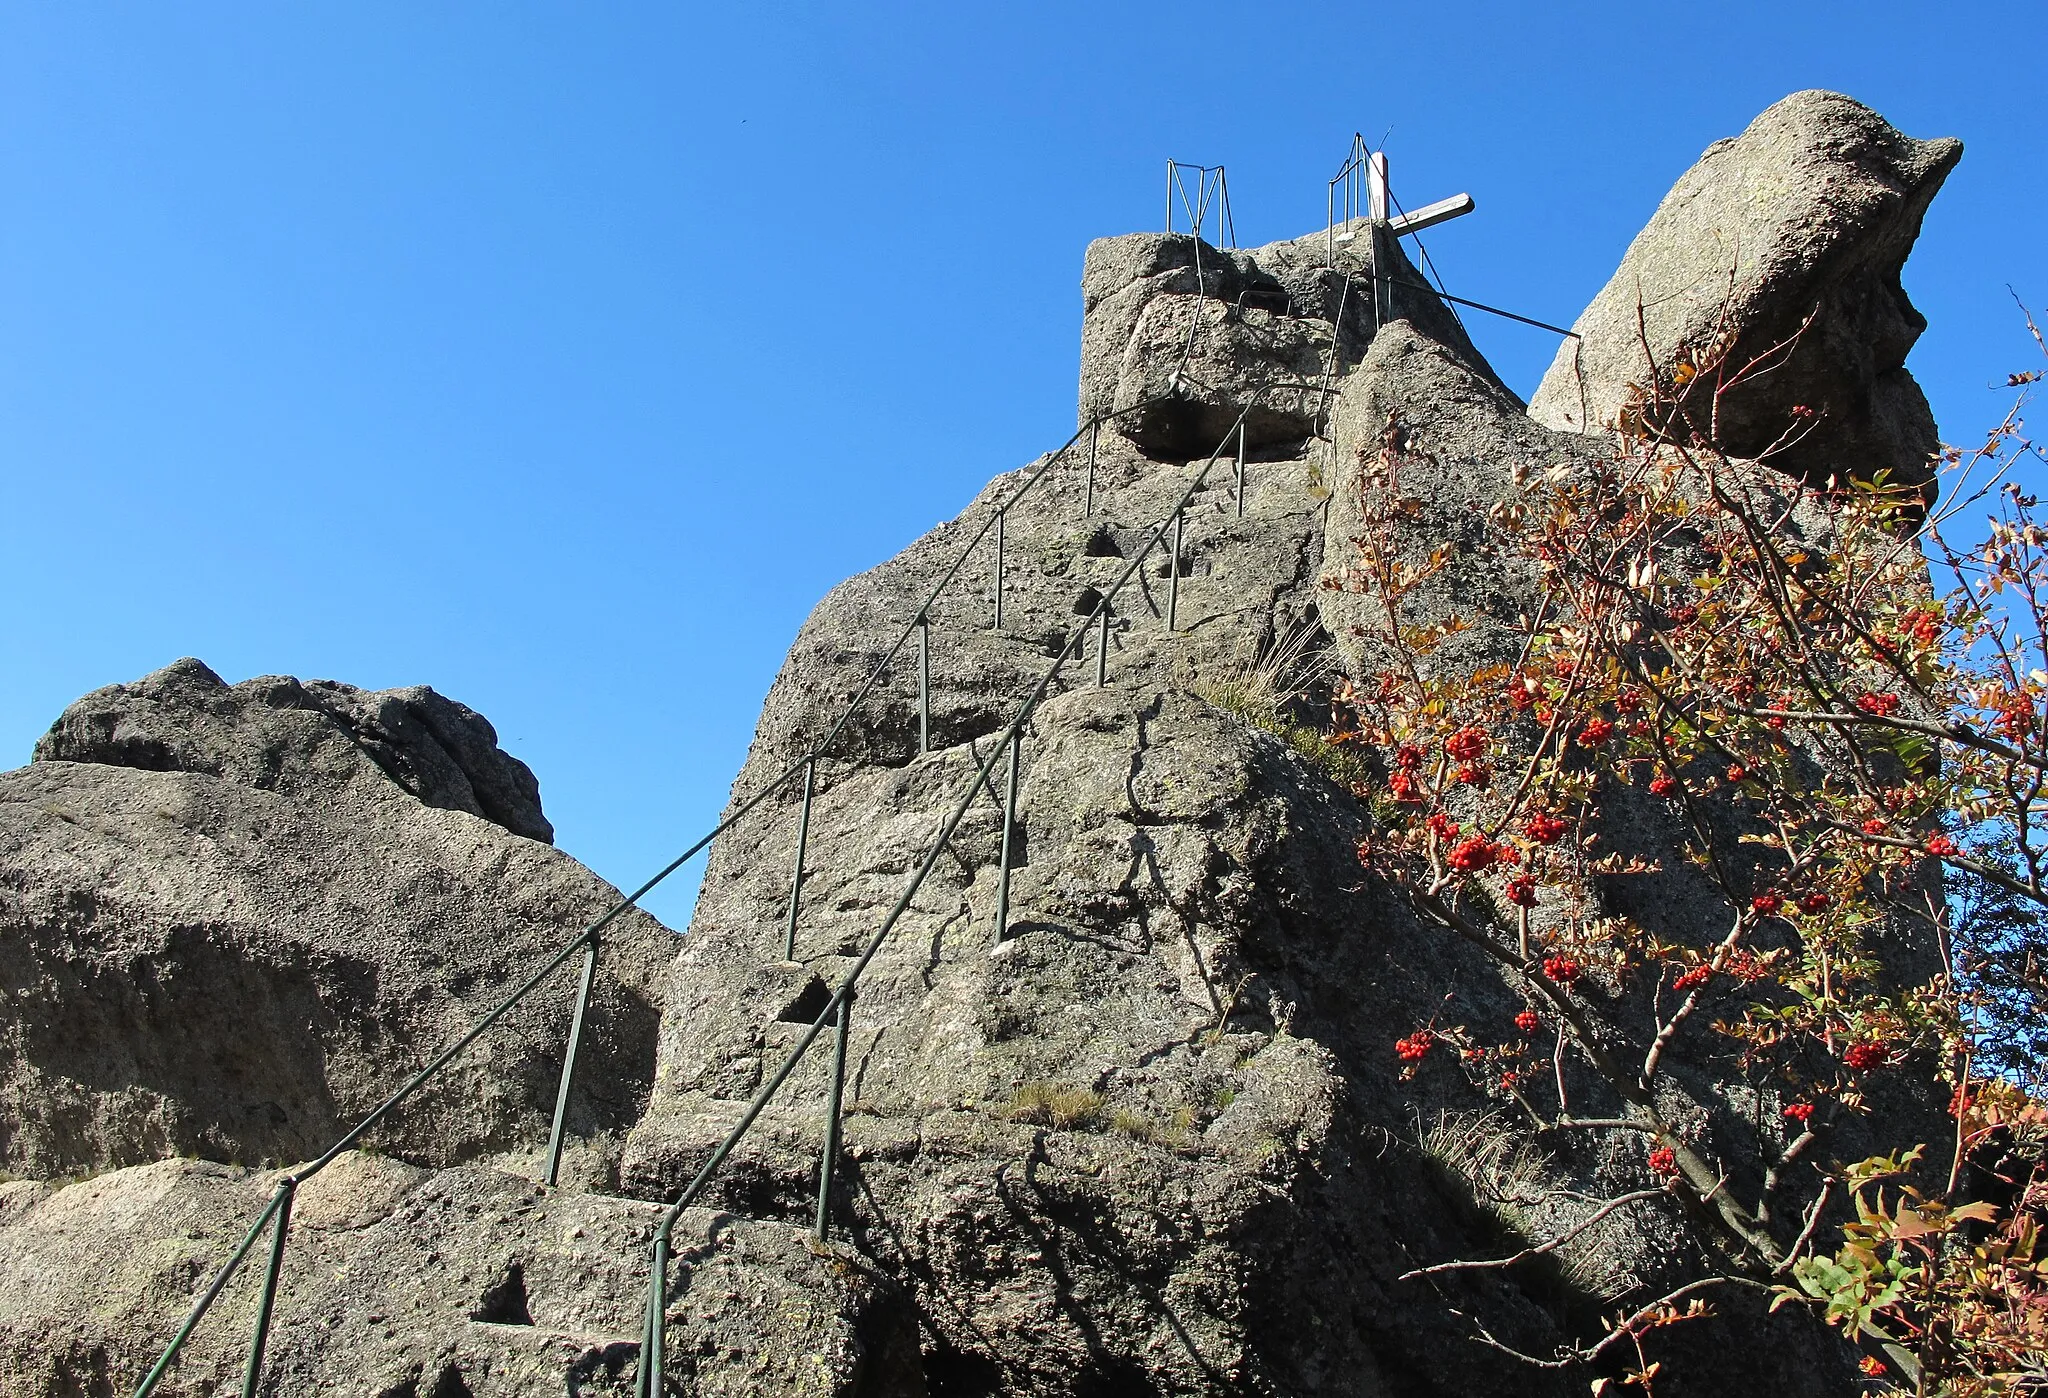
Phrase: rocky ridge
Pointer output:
(1152, 1140)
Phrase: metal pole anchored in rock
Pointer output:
(829, 1162)
(267, 1301)
(569, 1060)
(796, 873)
(1088, 498)
(924, 682)
(1173, 573)
(1102, 647)
(1009, 832)
(1002, 531)
(1382, 241)
(1240, 470)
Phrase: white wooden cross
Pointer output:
(1384, 228)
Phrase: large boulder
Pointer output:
(1810, 213)
(401, 1283)
(1178, 337)
(233, 918)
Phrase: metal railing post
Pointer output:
(1002, 529)
(1240, 470)
(829, 1162)
(1102, 647)
(286, 1188)
(1009, 827)
(654, 1335)
(569, 1060)
(1173, 573)
(796, 874)
(924, 682)
(1088, 499)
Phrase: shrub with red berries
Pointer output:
(1545, 829)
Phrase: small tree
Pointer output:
(1853, 758)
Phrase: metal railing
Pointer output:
(837, 1010)
(1211, 195)
(276, 1214)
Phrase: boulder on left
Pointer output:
(234, 917)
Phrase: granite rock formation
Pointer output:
(402, 1283)
(1151, 1141)
(1809, 213)
(232, 918)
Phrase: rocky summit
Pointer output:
(1119, 1112)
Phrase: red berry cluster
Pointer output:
(1473, 854)
(1416, 1046)
(1522, 891)
(1545, 829)
(1466, 745)
(1801, 1112)
(1942, 846)
(1663, 786)
(1697, 976)
(1528, 1022)
(1865, 1056)
(1765, 904)
(1878, 705)
(1664, 1161)
(1562, 969)
(1596, 732)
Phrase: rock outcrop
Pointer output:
(1178, 338)
(405, 1284)
(232, 918)
(1148, 1137)
(1809, 213)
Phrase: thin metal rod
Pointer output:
(1088, 499)
(828, 1163)
(1002, 531)
(1240, 471)
(1009, 829)
(265, 1303)
(569, 1060)
(1102, 647)
(1173, 573)
(212, 1294)
(924, 683)
(653, 1360)
(796, 873)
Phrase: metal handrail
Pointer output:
(834, 1011)
(588, 939)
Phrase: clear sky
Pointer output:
(560, 356)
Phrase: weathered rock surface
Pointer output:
(307, 739)
(237, 947)
(1178, 337)
(1810, 212)
(402, 1283)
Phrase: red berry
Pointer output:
(1528, 1022)
(1466, 745)
(1545, 829)
(1442, 826)
(1472, 854)
(1416, 1046)
(1596, 732)
(1767, 903)
(1522, 891)
(1801, 1112)
(1664, 1161)
(1878, 705)
(1561, 969)
(1865, 1056)
(1942, 846)
(1697, 976)
(1815, 902)
(1873, 826)
(1663, 786)
(1737, 773)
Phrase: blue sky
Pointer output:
(561, 356)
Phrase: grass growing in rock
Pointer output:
(1059, 1105)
